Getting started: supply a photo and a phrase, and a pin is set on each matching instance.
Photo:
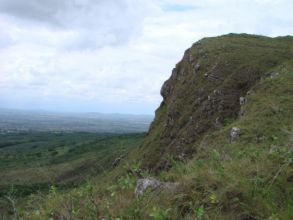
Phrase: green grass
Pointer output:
(239, 61)
(38, 160)
(251, 178)
(33, 162)
(248, 179)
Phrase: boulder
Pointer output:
(153, 184)
(242, 100)
(272, 74)
(234, 134)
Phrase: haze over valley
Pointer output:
(45, 121)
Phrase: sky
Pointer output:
(112, 56)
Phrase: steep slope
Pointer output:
(204, 90)
(238, 83)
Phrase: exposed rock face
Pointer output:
(234, 134)
(151, 183)
(204, 91)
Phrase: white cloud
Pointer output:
(113, 55)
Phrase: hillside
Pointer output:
(220, 146)
(204, 90)
(40, 158)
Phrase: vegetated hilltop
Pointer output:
(203, 93)
(220, 146)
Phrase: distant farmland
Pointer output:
(19, 121)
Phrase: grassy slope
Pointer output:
(248, 179)
(252, 178)
(32, 162)
(47, 157)
(238, 61)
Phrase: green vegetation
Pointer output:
(35, 161)
(250, 177)
(203, 91)
(48, 157)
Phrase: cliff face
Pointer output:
(205, 92)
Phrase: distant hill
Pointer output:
(24, 120)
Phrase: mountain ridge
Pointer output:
(204, 89)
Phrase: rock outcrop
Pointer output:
(153, 184)
(207, 88)
(234, 134)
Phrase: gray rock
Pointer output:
(217, 92)
(197, 67)
(116, 162)
(242, 100)
(234, 134)
(182, 156)
(272, 75)
(218, 123)
(198, 101)
(212, 76)
(143, 184)
(151, 183)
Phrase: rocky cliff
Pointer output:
(206, 90)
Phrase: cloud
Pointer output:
(88, 23)
(178, 7)
(5, 39)
(43, 11)
(101, 55)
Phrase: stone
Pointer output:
(116, 162)
(198, 101)
(272, 75)
(242, 100)
(182, 156)
(144, 184)
(213, 77)
(218, 123)
(197, 67)
(234, 134)
(153, 184)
